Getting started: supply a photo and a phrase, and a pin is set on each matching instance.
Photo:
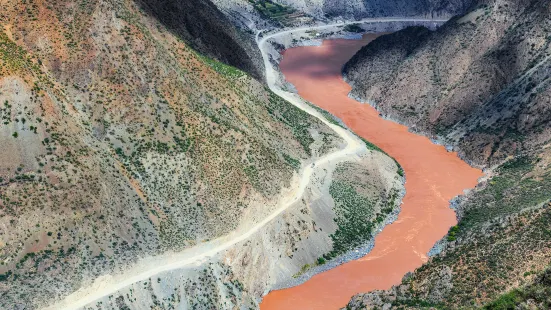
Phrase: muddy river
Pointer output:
(433, 177)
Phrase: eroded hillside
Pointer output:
(120, 141)
(482, 84)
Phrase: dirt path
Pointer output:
(150, 267)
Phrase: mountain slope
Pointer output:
(120, 141)
(266, 14)
(482, 84)
(377, 8)
(207, 30)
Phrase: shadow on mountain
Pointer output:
(207, 30)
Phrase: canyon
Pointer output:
(434, 176)
(275, 154)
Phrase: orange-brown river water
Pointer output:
(433, 177)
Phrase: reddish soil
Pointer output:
(433, 177)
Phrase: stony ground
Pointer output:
(120, 141)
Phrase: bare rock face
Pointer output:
(435, 288)
(438, 286)
(358, 9)
(480, 81)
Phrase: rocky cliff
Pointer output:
(376, 8)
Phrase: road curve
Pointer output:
(147, 268)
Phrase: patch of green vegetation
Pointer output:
(507, 133)
(353, 217)
(172, 235)
(222, 68)
(419, 303)
(507, 193)
(505, 301)
(11, 54)
(373, 147)
(295, 118)
(276, 12)
(252, 174)
(305, 268)
(538, 293)
(452, 232)
(14, 57)
(328, 116)
(5, 113)
(182, 143)
(400, 171)
(292, 162)
(5, 276)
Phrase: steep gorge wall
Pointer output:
(120, 141)
(377, 8)
(201, 24)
